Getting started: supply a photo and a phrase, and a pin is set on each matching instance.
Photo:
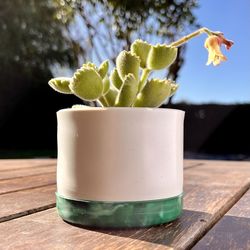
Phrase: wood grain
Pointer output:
(24, 163)
(25, 176)
(7, 165)
(30, 174)
(20, 203)
(232, 231)
(191, 163)
(20, 183)
(31, 171)
(50, 232)
(224, 163)
(210, 190)
(21, 168)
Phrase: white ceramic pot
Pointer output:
(114, 161)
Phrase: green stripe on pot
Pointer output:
(119, 214)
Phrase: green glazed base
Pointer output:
(119, 214)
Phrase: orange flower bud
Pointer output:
(212, 44)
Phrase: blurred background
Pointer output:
(44, 39)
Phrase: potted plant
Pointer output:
(121, 164)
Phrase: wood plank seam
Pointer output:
(36, 166)
(51, 165)
(11, 178)
(23, 189)
(27, 212)
(232, 231)
(200, 219)
(194, 165)
(218, 216)
(54, 164)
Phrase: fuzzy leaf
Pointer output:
(108, 100)
(174, 88)
(89, 65)
(111, 97)
(115, 79)
(128, 92)
(161, 56)
(61, 84)
(154, 93)
(126, 63)
(103, 69)
(106, 85)
(141, 49)
(102, 101)
(87, 84)
(80, 106)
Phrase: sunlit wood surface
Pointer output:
(216, 211)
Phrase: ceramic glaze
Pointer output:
(119, 214)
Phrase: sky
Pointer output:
(230, 81)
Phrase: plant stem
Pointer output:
(192, 35)
(144, 76)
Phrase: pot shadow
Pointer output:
(168, 234)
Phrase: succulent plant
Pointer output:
(128, 84)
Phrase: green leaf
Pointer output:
(106, 85)
(80, 106)
(61, 84)
(108, 100)
(141, 49)
(161, 56)
(89, 65)
(154, 93)
(115, 79)
(127, 94)
(103, 69)
(126, 63)
(87, 84)
(111, 97)
(102, 101)
(174, 88)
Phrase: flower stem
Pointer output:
(192, 35)
(144, 76)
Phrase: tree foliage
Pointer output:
(34, 36)
(106, 27)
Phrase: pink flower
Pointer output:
(212, 44)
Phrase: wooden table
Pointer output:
(216, 211)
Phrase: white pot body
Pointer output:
(120, 154)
